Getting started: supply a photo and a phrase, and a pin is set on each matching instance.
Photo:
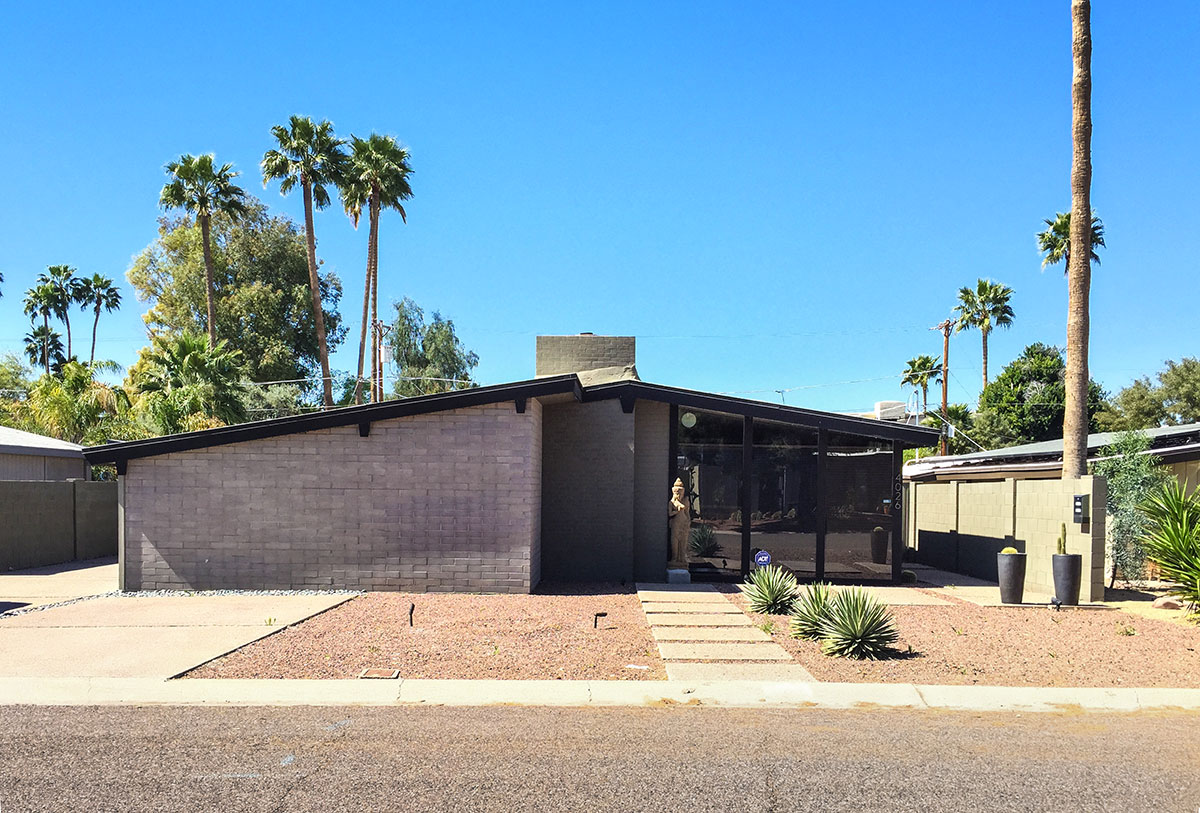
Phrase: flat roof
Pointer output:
(17, 441)
(628, 391)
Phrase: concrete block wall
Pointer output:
(587, 491)
(557, 355)
(1029, 511)
(51, 522)
(652, 489)
(446, 501)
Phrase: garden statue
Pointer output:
(681, 526)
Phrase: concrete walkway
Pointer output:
(702, 635)
(39, 586)
(58, 691)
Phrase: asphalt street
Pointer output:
(514, 759)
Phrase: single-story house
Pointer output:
(564, 477)
(1178, 447)
(26, 456)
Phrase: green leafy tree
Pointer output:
(263, 304)
(274, 401)
(14, 376)
(985, 307)
(98, 293)
(1179, 384)
(181, 378)
(200, 188)
(1026, 401)
(430, 356)
(920, 373)
(1138, 406)
(74, 406)
(376, 177)
(42, 344)
(309, 154)
(1133, 475)
(1055, 241)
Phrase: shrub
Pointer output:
(1172, 539)
(703, 541)
(857, 625)
(1133, 476)
(1010, 550)
(771, 590)
(908, 576)
(810, 610)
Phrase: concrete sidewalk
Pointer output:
(39, 586)
(50, 691)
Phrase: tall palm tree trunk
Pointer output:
(314, 284)
(46, 341)
(95, 324)
(984, 333)
(373, 259)
(1079, 270)
(362, 341)
(209, 290)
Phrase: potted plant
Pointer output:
(1068, 568)
(879, 545)
(1010, 571)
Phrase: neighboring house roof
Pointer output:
(15, 441)
(619, 384)
(1167, 442)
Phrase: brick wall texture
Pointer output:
(1031, 511)
(447, 501)
(557, 355)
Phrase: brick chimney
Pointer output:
(557, 355)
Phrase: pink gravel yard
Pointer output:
(548, 635)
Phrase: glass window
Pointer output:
(710, 466)
(783, 500)
(858, 492)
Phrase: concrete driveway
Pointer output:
(50, 585)
(132, 636)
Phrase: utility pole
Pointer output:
(945, 328)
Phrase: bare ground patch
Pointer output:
(548, 635)
(965, 644)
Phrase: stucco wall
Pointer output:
(438, 502)
(1027, 514)
(652, 490)
(587, 492)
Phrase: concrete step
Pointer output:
(681, 607)
(709, 634)
(683, 597)
(738, 671)
(722, 652)
(698, 620)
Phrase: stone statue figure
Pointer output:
(680, 519)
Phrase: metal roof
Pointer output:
(628, 391)
(16, 441)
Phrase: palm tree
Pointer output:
(198, 187)
(99, 292)
(984, 307)
(1055, 241)
(66, 294)
(310, 155)
(1079, 266)
(74, 406)
(377, 176)
(921, 372)
(184, 376)
(40, 301)
(44, 346)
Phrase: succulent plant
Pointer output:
(703, 541)
(1062, 541)
(771, 590)
(857, 625)
(1010, 550)
(809, 611)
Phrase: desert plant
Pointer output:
(703, 541)
(857, 625)
(1062, 541)
(771, 590)
(908, 576)
(1010, 550)
(1172, 539)
(810, 610)
(1133, 474)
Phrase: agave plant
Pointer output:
(703, 541)
(810, 610)
(771, 590)
(1172, 539)
(857, 625)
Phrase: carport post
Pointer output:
(747, 484)
(897, 512)
(819, 564)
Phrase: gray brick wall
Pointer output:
(571, 354)
(652, 490)
(447, 501)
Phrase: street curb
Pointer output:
(83, 691)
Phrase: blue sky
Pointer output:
(770, 196)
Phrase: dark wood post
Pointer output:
(673, 468)
(747, 484)
(897, 511)
(821, 512)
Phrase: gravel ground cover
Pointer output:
(548, 635)
(965, 644)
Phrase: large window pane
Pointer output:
(858, 482)
(783, 516)
(710, 466)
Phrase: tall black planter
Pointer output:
(1011, 575)
(879, 546)
(1068, 568)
